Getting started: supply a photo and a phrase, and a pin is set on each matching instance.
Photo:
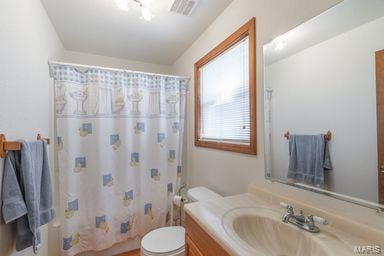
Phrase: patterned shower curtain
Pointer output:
(119, 142)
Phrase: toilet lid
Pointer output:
(164, 240)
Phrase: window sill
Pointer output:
(227, 146)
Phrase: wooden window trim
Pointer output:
(247, 30)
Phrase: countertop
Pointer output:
(209, 216)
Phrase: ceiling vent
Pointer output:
(184, 7)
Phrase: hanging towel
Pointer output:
(27, 192)
(308, 158)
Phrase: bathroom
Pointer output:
(311, 69)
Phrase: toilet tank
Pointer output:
(201, 194)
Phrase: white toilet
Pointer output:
(170, 241)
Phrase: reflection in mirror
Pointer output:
(328, 75)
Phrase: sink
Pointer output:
(261, 232)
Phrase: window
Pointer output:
(225, 94)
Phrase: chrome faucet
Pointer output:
(302, 221)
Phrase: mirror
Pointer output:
(328, 75)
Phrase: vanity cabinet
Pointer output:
(199, 242)
(191, 248)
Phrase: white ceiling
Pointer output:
(344, 17)
(99, 27)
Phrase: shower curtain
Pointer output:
(267, 130)
(119, 142)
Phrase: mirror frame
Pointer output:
(379, 208)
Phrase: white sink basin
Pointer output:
(261, 232)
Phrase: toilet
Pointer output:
(170, 241)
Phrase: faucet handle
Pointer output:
(320, 220)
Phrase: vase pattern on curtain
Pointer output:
(119, 143)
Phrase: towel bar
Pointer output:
(327, 136)
(14, 145)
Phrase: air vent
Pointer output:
(184, 7)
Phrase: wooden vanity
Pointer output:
(198, 242)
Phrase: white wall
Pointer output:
(331, 86)
(230, 173)
(27, 42)
(98, 60)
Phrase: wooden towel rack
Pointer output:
(14, 145)
(327, 136)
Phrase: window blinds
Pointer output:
(224, 96)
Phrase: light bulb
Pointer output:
(280, 45)
(280, 42)
(146, 14)
(122, 4)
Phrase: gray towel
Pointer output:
(308, 158)
(27, 192)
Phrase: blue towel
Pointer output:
(308, 158)
(27, 192)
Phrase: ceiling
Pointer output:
(344, 17)
(100, 27)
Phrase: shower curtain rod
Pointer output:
(111, 69)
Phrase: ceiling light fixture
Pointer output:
(280, 45)
(146, 13)
(280, 42)
(122, 4)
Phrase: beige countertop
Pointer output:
(209, 215)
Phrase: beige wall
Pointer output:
(103, 61)
(231, 173)
(27, 42)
